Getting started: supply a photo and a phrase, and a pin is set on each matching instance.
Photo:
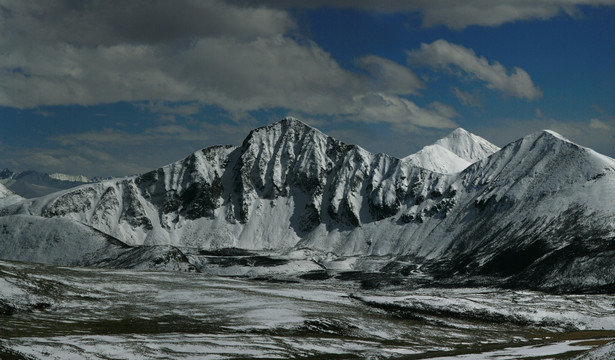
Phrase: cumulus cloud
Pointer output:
(457, 14)
(442, 54)
(105, 23)
(237, 57)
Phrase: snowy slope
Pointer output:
(51, 241)
(65, 242)
(437, 158)
(452, 153)
(542, 209)
(7, 197)
(289, 186)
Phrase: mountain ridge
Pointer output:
(290, 186)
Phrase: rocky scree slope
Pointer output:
(537, 209)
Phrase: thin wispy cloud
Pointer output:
(404, 115)
(466, 98)
(457, 14)
(442, 54)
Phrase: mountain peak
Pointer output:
(288, 121)
(453, 153)
(467, 146)
(547, 133)
(459, 132)
(281, 127)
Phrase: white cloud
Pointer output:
(106, 23)
(242, 63)
(457, 14)
(442, 54)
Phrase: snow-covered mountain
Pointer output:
(541, 206)
(31, 184)
(453, 153)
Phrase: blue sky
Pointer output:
(114, 88)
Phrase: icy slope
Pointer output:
(452, 153)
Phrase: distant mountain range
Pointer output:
(539, 212)
(31, 183)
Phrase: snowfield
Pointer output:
(52, 312)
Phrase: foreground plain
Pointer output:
(49, 312)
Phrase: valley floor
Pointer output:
(49, 312)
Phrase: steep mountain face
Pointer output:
(285, 182)
(31, 184)
(453, 153)
(537, 209)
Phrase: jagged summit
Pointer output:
(453, 153)
(285, 124)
